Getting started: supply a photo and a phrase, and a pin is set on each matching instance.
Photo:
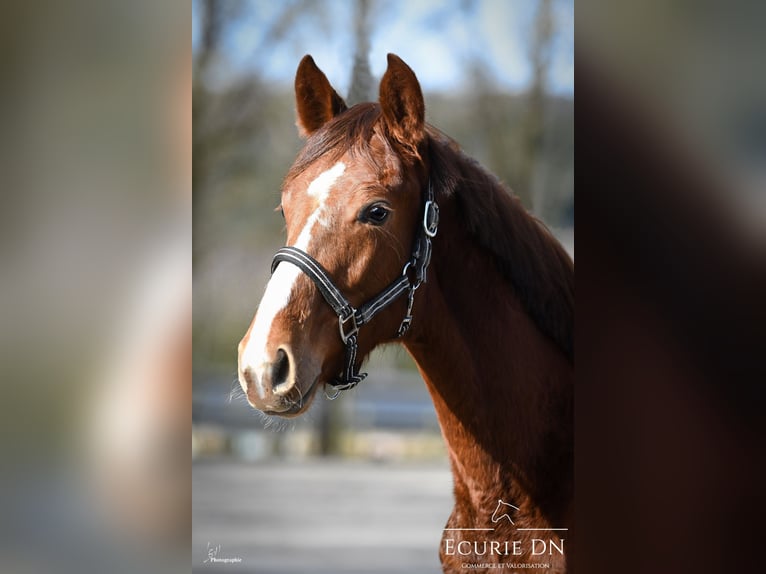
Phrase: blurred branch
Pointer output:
(540, 59)
(288, 19)
(212, 24)
(361, 76)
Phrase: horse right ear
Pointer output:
(317, 101)
(401, 101)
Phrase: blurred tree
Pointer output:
(207, 135)
(540, 58)
(361, 76)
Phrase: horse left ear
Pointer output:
(401, 101)
(316, 100)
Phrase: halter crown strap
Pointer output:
(350, 319)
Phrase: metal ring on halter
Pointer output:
(431, 218)
(418, 282)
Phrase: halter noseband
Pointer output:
(351, 319)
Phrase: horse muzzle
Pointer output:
(272, 386)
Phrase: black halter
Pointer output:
(350, 319)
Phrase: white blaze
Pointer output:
(280, 286)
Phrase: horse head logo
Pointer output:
(503, 510)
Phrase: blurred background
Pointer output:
(499, 78)
(95, 175)
(671, 276)
(95, 286)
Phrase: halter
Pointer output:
(351, 319)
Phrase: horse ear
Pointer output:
(401, 101)
(317, 101)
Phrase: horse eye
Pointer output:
(375, 214)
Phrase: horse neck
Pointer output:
(502, 389)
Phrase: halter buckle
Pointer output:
(343, 322)
(405, 326)
(431, 218)
(407, 321)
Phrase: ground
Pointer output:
(321, 516)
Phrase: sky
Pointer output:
(435, 37)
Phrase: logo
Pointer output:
(503, 510)
(535, 549)
(213, 555)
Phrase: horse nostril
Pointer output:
(280, 370)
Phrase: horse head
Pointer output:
(351, 202)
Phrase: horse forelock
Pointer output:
(349, 132)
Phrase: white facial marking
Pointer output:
(280, 286)
(319, 189)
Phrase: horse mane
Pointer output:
(524, 250)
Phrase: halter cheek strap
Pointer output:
(351, 319)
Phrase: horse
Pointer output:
(395, 235)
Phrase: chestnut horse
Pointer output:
(394, 235)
